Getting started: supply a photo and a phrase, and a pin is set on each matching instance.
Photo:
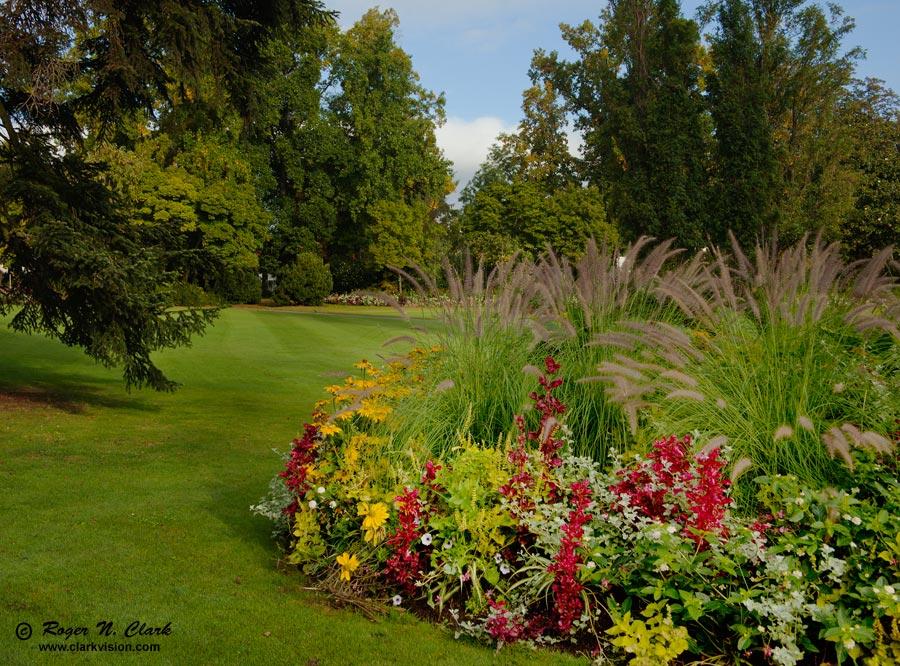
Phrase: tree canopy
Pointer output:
(74, 76)
(758, 128)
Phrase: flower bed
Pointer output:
(368, 299)
(642, 562)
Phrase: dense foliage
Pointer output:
(77, 77)
(305, 281)
(758, 128)
(729, 492)
(644, 561)
(217, 142)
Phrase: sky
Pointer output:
(477, 53)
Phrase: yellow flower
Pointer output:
(348, 563)
(371, 409)
(376, 516)
(329, 429)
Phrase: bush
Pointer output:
(240, 285)
(306, 281)
(190, 295)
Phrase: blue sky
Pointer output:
(477, 52)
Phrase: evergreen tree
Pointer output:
(745, 192)
(806, 73)
(83, 271)
(873, 115)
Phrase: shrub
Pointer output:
(786, 357)
(190, 295)
(239, 285)
(306, 281)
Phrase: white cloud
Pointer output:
(466, 143)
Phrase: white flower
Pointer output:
(591, 565)
(313, 504)
(397, 600)
(426, 539)
(332, 504)
(448, 544)
(498, 558)
(856, 520)
(849, 643)
(320, 490)
(672, 528)
(504, 568)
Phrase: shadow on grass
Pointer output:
(230, 503)
(28, 388)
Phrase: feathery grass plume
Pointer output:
(678, 376)
(739, 468)
(783, 432)
(605, 284)
(873, 276)
(400, 338)
(715, 443)
(876, 442)
(445, 385)
(837, 445)
(685, 394)
(693, 290)
(579, 299)
(764, 341)
(486, 332)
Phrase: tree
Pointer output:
(873, 115)
(745, 170)
(203, 196)
(784, 59)
(635, 89)
(84, 273)
(527, 195)
(389, 156)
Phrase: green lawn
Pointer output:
(120, 507)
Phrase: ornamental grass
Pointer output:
(646, 457)
(642, 562)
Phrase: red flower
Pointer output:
(675, 486)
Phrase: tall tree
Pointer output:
(528, 193)
(746, 190)
(83, 272)
(793, 66)
(391, 162)
(872, 113)
(636, 91)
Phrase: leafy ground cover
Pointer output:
(122, 507)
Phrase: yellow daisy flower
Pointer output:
(329, 429)
(375, 516)
(348, 564)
